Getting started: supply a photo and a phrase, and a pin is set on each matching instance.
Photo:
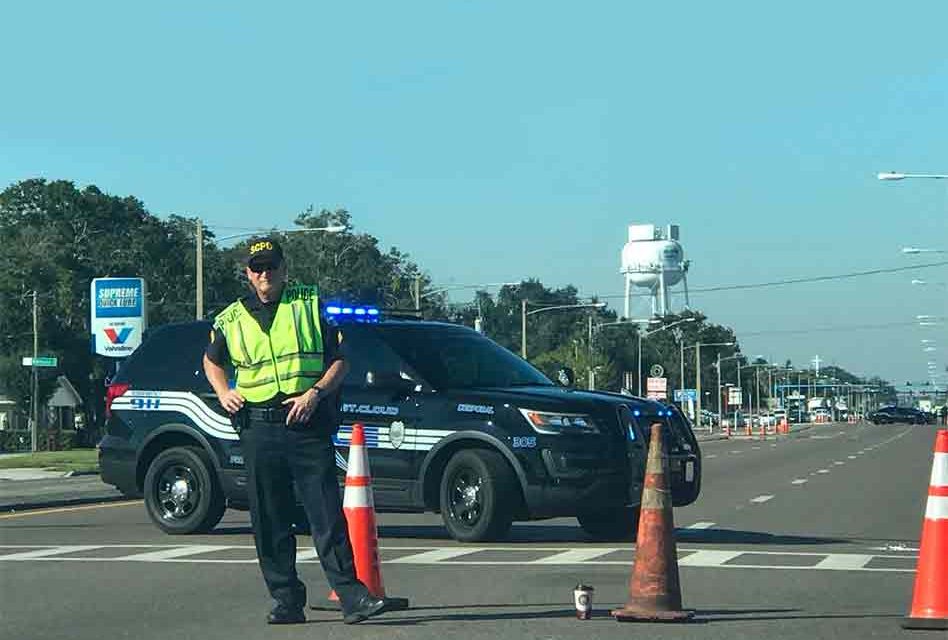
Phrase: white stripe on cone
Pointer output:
(940, 470)
(937, 508)
(358, 462)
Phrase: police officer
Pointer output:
(285, 406)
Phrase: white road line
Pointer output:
(823, 471)
(800, 481)
(837, 462)
(45, 553)
(177, 552)
(713, 455)
(851, 457)
(843, 562)
(437, 555)
(306, 555)
(735, 452)
(707, 558)
(761, 499)
(701, 525)
(574, 556)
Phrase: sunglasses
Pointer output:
(260, 267)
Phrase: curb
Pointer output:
(62, 502)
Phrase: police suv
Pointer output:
(454, 424)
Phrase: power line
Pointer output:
(778, 283)
(849, 327)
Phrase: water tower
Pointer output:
(653, 259)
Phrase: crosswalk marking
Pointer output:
(45, 553)
(843, 561)
(708, 558)
(174, 553)
(463, 556)
(437, 555)
(573, 556)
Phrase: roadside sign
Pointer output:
(41, 361)
(657, 388)
(119, 315)
(656, 371)
(734, 396)
(686, 394)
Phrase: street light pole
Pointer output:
(199, 268)
(524, 313)
(35, 376)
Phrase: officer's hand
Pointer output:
(303, 406)
(231, 401)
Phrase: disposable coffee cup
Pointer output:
(583, 598)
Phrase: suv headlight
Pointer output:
(556, 423)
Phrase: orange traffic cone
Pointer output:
(930, 600)
(654, 588)
(359, 508)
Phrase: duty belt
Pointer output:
(267, 414)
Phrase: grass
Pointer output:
(80, 460)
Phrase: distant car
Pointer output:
(766, 420)
(898, 415)
(727, 420)
(796, 417)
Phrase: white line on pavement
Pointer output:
(177, 552)
(45, 553)
(823, 471)
(574, 556)
(761, 499)
(437, 555)
(843, 562)
(800, 481)
(701, 525)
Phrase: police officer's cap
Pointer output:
(263, 251)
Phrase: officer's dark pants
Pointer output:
(276, 456)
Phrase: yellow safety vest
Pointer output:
(288, 358)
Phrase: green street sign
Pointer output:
(41, 361)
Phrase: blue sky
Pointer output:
(495, 141)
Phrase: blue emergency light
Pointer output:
(362, 313)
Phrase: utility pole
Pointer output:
(719, 390)
(417, 293)
(199, 268)
(589, 354)
(523, 329)
(35, 376)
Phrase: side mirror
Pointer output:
(566, 377)
(390, 380)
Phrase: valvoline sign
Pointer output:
(119, 315)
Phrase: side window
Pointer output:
(366, 352)
(171, 358)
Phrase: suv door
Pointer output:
(390, 413)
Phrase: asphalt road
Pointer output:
(810, 536)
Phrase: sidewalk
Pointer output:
(22, 489)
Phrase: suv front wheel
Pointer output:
(478, 490)
(182, 494)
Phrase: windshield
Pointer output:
(457, 359)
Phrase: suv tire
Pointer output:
(478, 493)
(610, 524)
(182, 494)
